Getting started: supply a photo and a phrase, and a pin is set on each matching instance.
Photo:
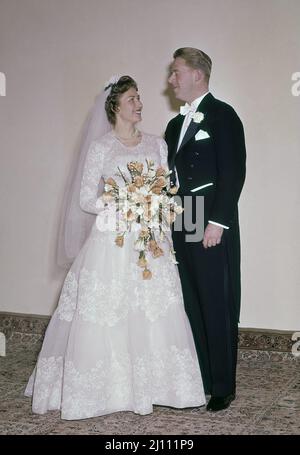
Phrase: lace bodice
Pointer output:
(104, 158)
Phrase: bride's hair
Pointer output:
(117, 89)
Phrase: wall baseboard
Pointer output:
(31, 328)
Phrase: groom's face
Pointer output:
(182, 80)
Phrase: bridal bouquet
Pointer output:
(145, 203)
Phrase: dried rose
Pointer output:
(160, 171)
(142, 262)
(130, 215)
(144, 233)
(112, 182)
(173, 190)
(107, 196)
(147, 275)
(152, 245)
(138, 181)
(161, 181)
(157, 252)
(156, 190)
(139, 167)
(119, 241)
(131, 188)
(135, 166)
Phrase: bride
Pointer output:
(117, 342)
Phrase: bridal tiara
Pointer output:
(112, 81)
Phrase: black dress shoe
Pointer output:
(219, 403)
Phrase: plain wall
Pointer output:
(56, 56)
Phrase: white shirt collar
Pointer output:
(197, 101)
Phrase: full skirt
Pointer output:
(117, 342)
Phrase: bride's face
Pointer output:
(130, 107)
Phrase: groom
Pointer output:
(207, 155)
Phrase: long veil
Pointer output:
(75, 224)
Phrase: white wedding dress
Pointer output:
(116, 342)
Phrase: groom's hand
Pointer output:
(212, 235)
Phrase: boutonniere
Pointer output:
(198, 117)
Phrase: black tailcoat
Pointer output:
(211, 277)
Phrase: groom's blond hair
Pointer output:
(196, 59)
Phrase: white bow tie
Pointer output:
(187, 109)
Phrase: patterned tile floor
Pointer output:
(268, 402)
